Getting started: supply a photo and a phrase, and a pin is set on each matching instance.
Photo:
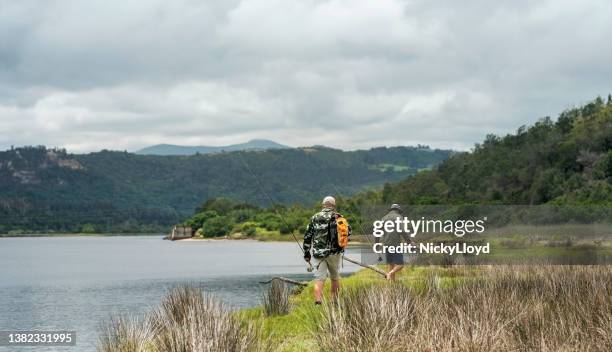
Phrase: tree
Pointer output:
(217, 227)
(88, 228)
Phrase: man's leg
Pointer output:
(320, 277)
(333, 264)
(335, 289)
(395, 270)
(390, 272)
(318, 290)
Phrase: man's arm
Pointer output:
(308, 239)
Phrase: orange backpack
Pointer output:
(342, 229)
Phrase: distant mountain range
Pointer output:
(171, 149)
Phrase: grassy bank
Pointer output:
(502, 308)
(546, 308)
(296, 331)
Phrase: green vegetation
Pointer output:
(564, 162)
(49, 190)
(222, 217)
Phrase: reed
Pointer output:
(186, 321)
(275, 300)
(511, 308)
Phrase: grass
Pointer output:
(528, 308)
(295, 331)
(275, 300)
(505, 308)
(186, 320)
(429, 308)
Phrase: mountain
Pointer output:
(170, 149)
(567, 161)
(51, 190)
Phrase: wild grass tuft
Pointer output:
(125, 334)
(186, 321)
(276, 299)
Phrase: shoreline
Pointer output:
(34, 235)
(163, 236)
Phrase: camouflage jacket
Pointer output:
(317, 238)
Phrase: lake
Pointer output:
(76, 283)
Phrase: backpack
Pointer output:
(339, 231)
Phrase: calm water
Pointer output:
(75, 283)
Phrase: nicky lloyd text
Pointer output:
(433, 248)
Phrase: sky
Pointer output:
(350, 74)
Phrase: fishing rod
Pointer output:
(260, 186)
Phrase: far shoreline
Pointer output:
(34, 235)
(163, 236)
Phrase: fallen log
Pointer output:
(371, 267)
(294, 282)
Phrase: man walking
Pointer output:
(393, 238)
(327, 253)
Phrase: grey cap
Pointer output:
(395, 207)
(329, 201)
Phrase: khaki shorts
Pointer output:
(329, 264)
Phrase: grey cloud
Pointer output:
(108, 74)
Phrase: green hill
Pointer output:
(567, 161)
(50, 190)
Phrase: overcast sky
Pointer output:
(88, 75)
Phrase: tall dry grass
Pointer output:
(125, 334)
(276, 299)
(186, 321)
(528, 308)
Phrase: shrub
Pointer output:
(217, 227)
(248, 228)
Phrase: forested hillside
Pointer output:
(567, 161)
(51, 190)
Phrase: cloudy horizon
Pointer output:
(92, 75)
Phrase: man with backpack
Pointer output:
(324, 242)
